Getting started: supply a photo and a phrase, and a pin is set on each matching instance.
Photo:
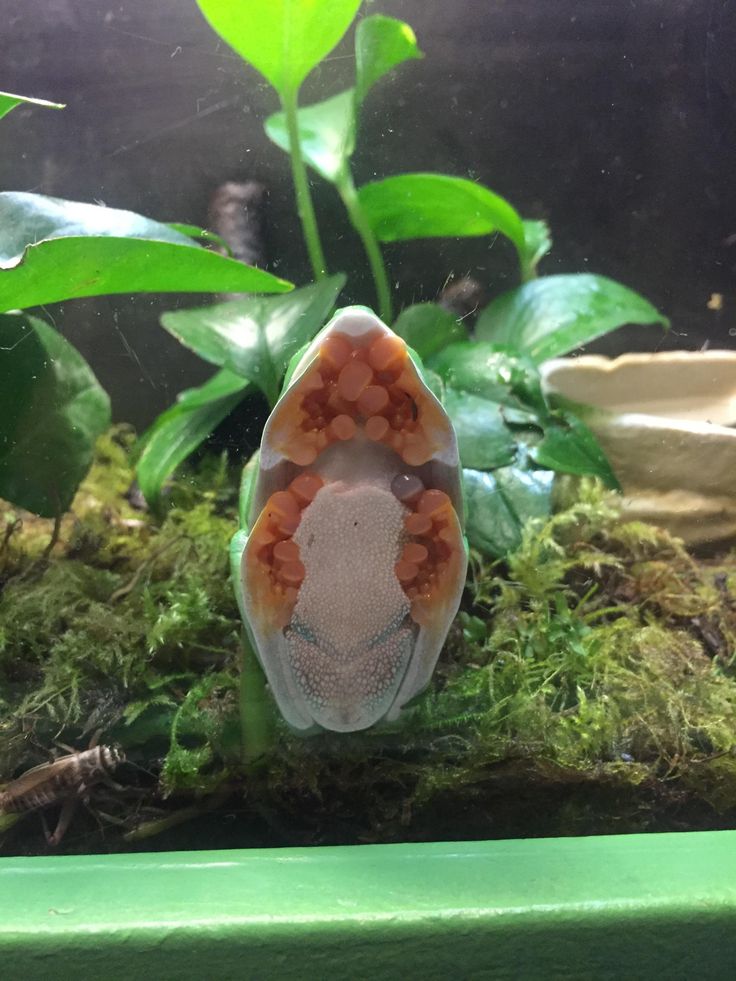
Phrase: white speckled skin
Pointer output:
(351, 654)
(350, 638)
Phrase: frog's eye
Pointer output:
(407, 487)
(355, 564)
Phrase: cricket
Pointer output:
(65, 780)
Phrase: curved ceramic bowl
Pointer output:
(665, 422)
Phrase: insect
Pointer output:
(65, 781)
(352, 561)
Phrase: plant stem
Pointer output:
(157, 826)
(359, 220)
(256, 715)
(304, 205)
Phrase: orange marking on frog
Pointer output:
(275, 571)
(353, 379)
(305, 487)
(376, 428)
(369, 383)
(343, 427)
(373, 399)
(428, 564)
(406, 572)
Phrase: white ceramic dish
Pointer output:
(665, 422)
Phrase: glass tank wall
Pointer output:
(512, 187)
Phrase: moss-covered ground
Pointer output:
(587, 686)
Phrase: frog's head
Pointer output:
(355, 564)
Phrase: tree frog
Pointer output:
(351, 560)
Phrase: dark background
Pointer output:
(613, 119)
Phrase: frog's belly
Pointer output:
(350, 638)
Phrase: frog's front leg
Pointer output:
(355, 564)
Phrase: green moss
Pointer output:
(125, 615)
(587, 685)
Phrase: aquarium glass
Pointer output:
(367, 407)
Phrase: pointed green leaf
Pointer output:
(52, 409)
(194, 231)
(256, 337)
(381, 43)
(283, 39)
(179, 430)
(498, 504)
(568, 446)
(326, 133)
(65, 268)
(27, 219)
(483, 439)
(428, 328)
(221, 385)
(433, 205)
(8, 102)
(552, 315)
(537, 244)
(53, 250)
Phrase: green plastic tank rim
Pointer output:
(638, 906)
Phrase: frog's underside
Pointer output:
(354, 564)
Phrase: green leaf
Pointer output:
(489, 375)
(221, 385)
(568, 446)
(428, 328)
(381, 43)
(433, 205)
(52, 409)
(326, 133)
(107, 251)
(8, 102)
(194, 231)
(27, 219)
(65, 268)
(537, 243)
(498, 505)
(491, 371)
(483, 438)
(550, 316)
(179, 430)
(256, 337)
(283, 39)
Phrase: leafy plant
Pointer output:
(8, 102)
(252, 341)
(511, 440)
(52, 408)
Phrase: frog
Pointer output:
(350, 560)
